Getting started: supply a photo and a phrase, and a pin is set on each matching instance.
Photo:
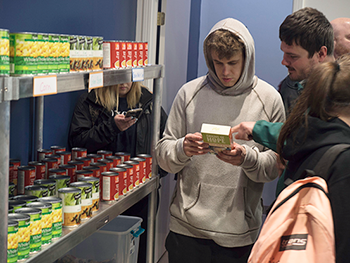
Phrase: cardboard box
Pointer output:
(217, 136)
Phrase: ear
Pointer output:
(322, 54)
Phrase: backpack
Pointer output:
(299, 227)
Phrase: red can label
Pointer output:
(65, 157)
(110, 187)
(26, 176)
(140, 54)
(145, 54)
(135, 56)
(129, 54)
(78, 152)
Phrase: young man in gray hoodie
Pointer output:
(216, 209)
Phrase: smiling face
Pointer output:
(228, 70)
(297, 61)
(124, 89)
(341, 28)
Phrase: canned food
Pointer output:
(130, 175)
(123, 155)
(39, 169)
(71, 206)
(84, 173)
(145, 54)
(148, 158)
(46, 220)
(50, 163)
(78, 164)
(26, 198)
(129, 54)
(35, 227)
(63, 66)
(104, 153)
(110, 186)
(86, 198)
(94, 169)
(4, 52)
(78, 152)
(49, 183)
(70, 171)
(95, 190)
(37, 190)
(55, 156)
(86, 160)
(56, 214)
(82, 46)
(140, 54)
(54, 43)
(12, 241)
(94, 157)
(89, 53)
(123, 178)
(135, 54)
(10, 173)
(16, 163)
(97, 56)
(12, 188)
(43, 57)
(112, 54)
(16, 204)
(57, 171)
(26, 176)
(136, 166)
(42, 153)
(62, 181)
(116, 160)
(65, 157)
(56, 149)
(74, 54)
(107, 162)
(23, 234)
(24, 53)
(142, 164)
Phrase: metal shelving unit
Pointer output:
(15, 88)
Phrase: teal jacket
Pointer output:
(266, 133)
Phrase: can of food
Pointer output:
(86, 198)
(23, 234)
(108, 162)
(71, 206)
(55, 156)
(65, 157)
(46, 220)
(43, 54)
(148, 158)
(34, 228)
(56, 149)
(56, 214)
(78, 152)
(140, 54)
(54, 43)
(135, 54)
(10, 173)
(16, 163)
(129, 54)
(23, 59)
(78, 164)
(62, 181)
(42, 153)
(63, 66)
(111, 54)
(104, 153)
(74, 61)
(129, 176)
(136, 167)
(95, 169)
(49, 183)
(39, 169)
(57, 171)
(84, 173)
(142, 163)
(89, 53)
(94, 157)
(4, 52)
(110, 186)
(82, 50)
(26, 198)
(50, 163)
(116, 160)
(26, 176)
(12, 241)
(37, 190)
(123, 155)
(12, 188)
(70, 171)
(86, 160)
(145, 54)
(16, 204)
(95, 191)
(97, 48)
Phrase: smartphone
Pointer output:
(133, 113)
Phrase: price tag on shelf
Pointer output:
(44, 85)
(138, 74)
(95, 80)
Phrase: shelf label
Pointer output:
(44, 85)
(138, 74)
(95, 80)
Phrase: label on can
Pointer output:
(129, 54)
(71, 206)
(110, 186)
(42, 59)
(26, 176)
(63, 65)
(12, 241)
(86, 198)
(4, 52)
(95, 191)
(56, 215)
(78, 152)
(46, 220)
(23, 234)
(62, 181)
(50, 184)
(145, 54)
(23, 60)
(97, 58)
(37, 190)
(54, 53)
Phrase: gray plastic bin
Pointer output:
(116, 242)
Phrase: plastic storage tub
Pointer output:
(116, 242)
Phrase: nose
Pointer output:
(225, 70)
(285, 62)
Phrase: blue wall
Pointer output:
(112, 19)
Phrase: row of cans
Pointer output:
(32, 223)
(124, 54)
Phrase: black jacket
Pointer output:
(104, 134)
(306, 152)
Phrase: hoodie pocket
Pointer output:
(217, 208)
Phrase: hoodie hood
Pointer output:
(306, 151)
(248, 80)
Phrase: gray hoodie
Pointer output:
(214, 199)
